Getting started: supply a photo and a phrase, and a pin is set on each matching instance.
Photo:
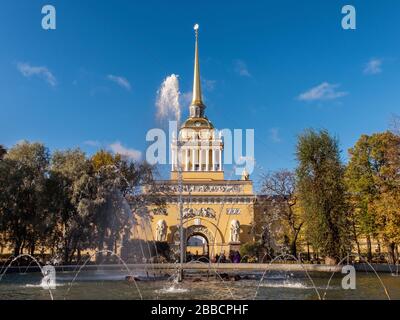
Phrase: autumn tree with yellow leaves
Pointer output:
(373, 184)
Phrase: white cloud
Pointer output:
(241, 68)
(121, 81)
(374, 66)
(28, 71)
(131, 154)
(92, 143)
(274, 135)
(324, 91)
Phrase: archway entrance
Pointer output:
(197, 247)
(199, 242)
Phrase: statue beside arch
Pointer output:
(161, 230)
(235, 231)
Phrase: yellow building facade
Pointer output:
(218, 211)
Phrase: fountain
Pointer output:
(284, 256)
(165, 280)
(120, 259)
(369, 264)
(45, 273)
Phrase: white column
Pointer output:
(220, 159)
(193, 158)
(186, 159)
(176, 158)
(200, 159)
(172, 158)
(207, 158)
(213, 160)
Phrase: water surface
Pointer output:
(111, 284)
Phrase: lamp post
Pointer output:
(180, 204)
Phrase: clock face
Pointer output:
(197, 124)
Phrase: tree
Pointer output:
(68, 203)
(116, 197)
(250, 249)
(267, 226)
(322, 193)
(103, 158)
(3, 151)
(280, 186)
(70, 179)
(24, 217)
(385, 156)
(362, 189)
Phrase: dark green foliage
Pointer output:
(3, 151)
(68, 203)
(322, 193)
(250, 249)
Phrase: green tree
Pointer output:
(3, 151)
(362, 189)
(24, 216)
(385, 153)
(250, 249)
(70, 203)
(117, 198)
(322, 193)
(373, 182)
(69, 181)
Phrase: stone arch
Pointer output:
(200, 230)
(213, 229)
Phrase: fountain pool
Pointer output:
(112, 284)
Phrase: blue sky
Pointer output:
(277, 67)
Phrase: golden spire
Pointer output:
(197, 100)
